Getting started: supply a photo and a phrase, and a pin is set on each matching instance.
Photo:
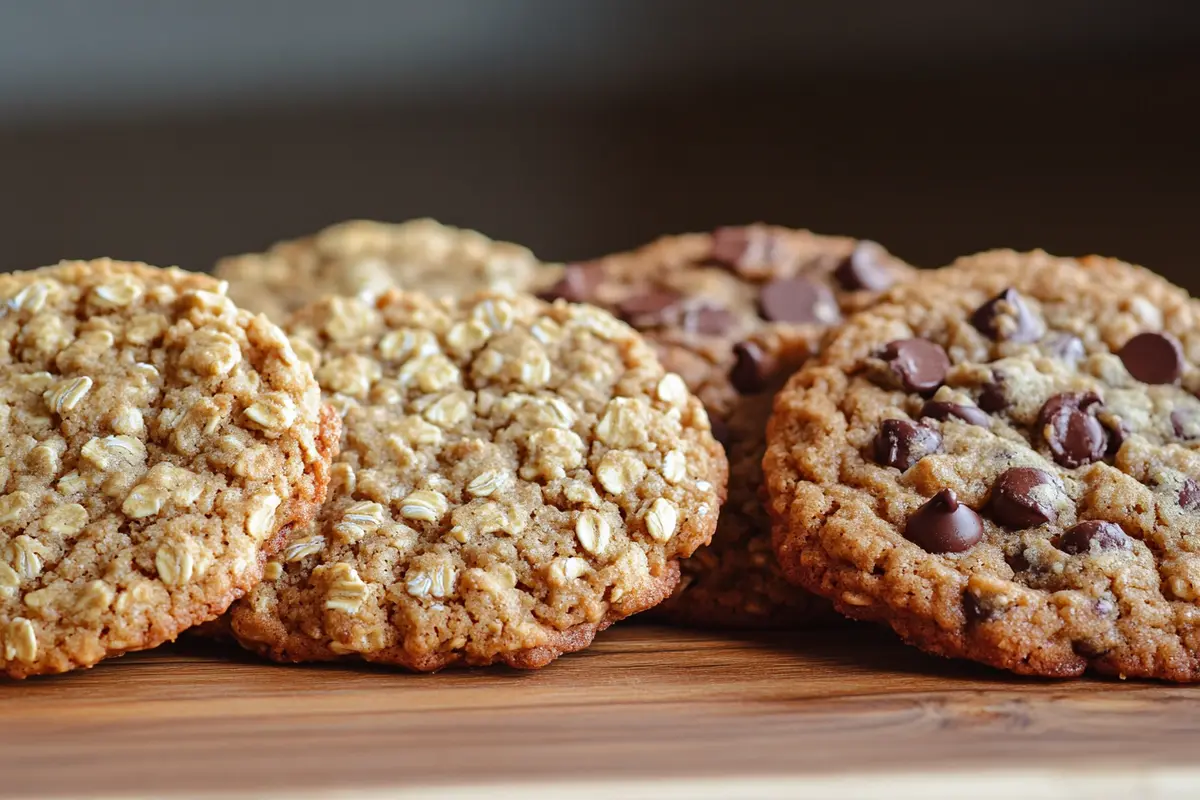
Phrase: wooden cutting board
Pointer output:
(646, 711)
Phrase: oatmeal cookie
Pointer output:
(1001, 462)
(734, 312)
(156, 441)
(363, 259)
(514, 477)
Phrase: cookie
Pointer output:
(734, 312)
(362, 258)
(514, 477)
(157, 440)
(1001, 462)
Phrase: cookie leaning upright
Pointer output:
(734, 312)
(156, 439)
(361, 258)
(514, 477)
(1001, 462)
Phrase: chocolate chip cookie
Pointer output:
(1001, 462)
(514, 477)
(363, 258)
(734, 312)
(156, 441)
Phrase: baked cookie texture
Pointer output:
(734, 312)
(156, 441)
(362, 258)
(514, 477)
(1000, 461)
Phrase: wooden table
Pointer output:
(646, 711)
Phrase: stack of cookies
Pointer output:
(413, 445)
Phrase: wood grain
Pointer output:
(647, 710)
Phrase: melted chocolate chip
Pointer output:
(650, 310)
(919, 364)
(901, 443)
(752, 251)
(709, 320)
(1021, 498)
(798, 301)
(1153, 358)
(1189, 495)
(1186, 423)
(1093, 533)
(976, 611)
(577, 285)
(943, 525)
(1066, 347)
(865, 269)
(1074, 435)
(936, 409)
(991, 397)
(1006, 318)
(750, 368)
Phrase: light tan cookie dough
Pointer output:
(514, 477)
(363, 259)
(1001, 462)
(734, 312)
(155, 441)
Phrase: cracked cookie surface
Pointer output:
(155, 441)
(1001, 462)
(362, 258)
(734, 312)
(514, 477)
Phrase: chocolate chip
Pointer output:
(943, 525)
(976, 611)
(1006, 318)
(1189, 495)
(1021, 498)
(650, 310)
(798, 300)
(936, 409)
(577, 285)
(750, 368)
(1186, 423)
(1071, 429)
(1066, 347)
(1153, 358)
(752, 251)
(708, 319)
(1093, 533)
(1118, 432)
(901, 443)
(919, 364)
(865, 269)
(991, 397)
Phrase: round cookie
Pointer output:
(1001, 462)
(514, 477)
(734, 312)
(156, 442)
(364, 258)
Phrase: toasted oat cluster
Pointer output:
(514, 477)
(156, 441)
(363, 259)
(1001, 462)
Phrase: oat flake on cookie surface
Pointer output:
(1001, 461)
(362, 258)
(514, 477)
(155, 441)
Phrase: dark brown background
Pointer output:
(1034, 135)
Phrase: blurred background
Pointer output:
(177, 132)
